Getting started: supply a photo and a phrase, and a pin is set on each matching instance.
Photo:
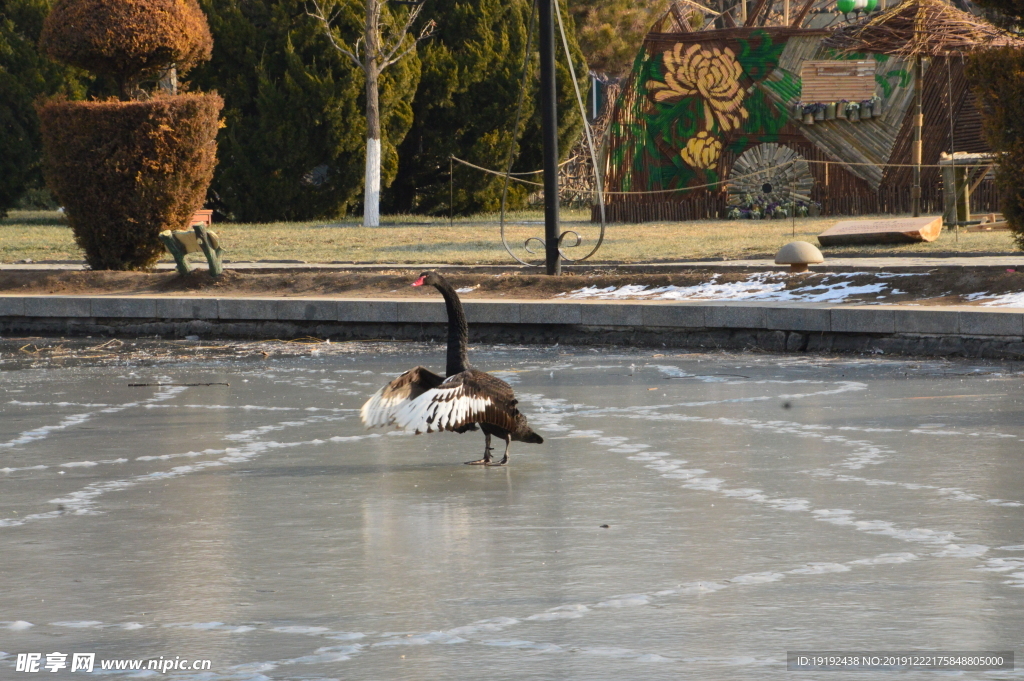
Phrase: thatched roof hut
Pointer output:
(919, 28)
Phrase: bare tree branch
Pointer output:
(407, 24)
(328, 22)
(390, 51)
(426, 32)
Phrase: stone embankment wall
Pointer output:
(966, 331)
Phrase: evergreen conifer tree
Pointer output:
(294, 141)
(611, 31)
(466, 102)
(25, 74)
(998, 79)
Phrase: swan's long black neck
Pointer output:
(458, 330)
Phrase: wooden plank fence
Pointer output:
(892, 200)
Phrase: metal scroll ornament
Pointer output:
(568, 239)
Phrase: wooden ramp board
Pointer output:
(882, 231)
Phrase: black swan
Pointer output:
(421, 401)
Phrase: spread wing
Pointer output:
(463, 399)
(380, 409)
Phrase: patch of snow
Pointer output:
(771, 286)
(1004, 300)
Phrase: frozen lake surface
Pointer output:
(754, 504)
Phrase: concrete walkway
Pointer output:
(884, 264)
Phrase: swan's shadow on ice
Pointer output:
(346, 470)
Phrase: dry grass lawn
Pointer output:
(41, 236)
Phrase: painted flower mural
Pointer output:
(701, 151)
(712, 74)
(691, 107)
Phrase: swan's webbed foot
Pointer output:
(504, 459)
(486, 461)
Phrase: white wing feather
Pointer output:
(379, 411)
(442, 408)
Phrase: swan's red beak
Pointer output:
(418, 282)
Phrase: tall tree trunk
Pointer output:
(371, 187)
(380, 50)
(371, 191)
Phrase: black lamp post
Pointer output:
(549, 130)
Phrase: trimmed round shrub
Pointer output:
(131, 40)
(125, 171)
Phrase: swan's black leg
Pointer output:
(487, 453)
(504, 459)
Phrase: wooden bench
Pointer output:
(181, 243)
(993, 222)
(961, 174)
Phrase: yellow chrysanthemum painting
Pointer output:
(712, 74)
(701, 151)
